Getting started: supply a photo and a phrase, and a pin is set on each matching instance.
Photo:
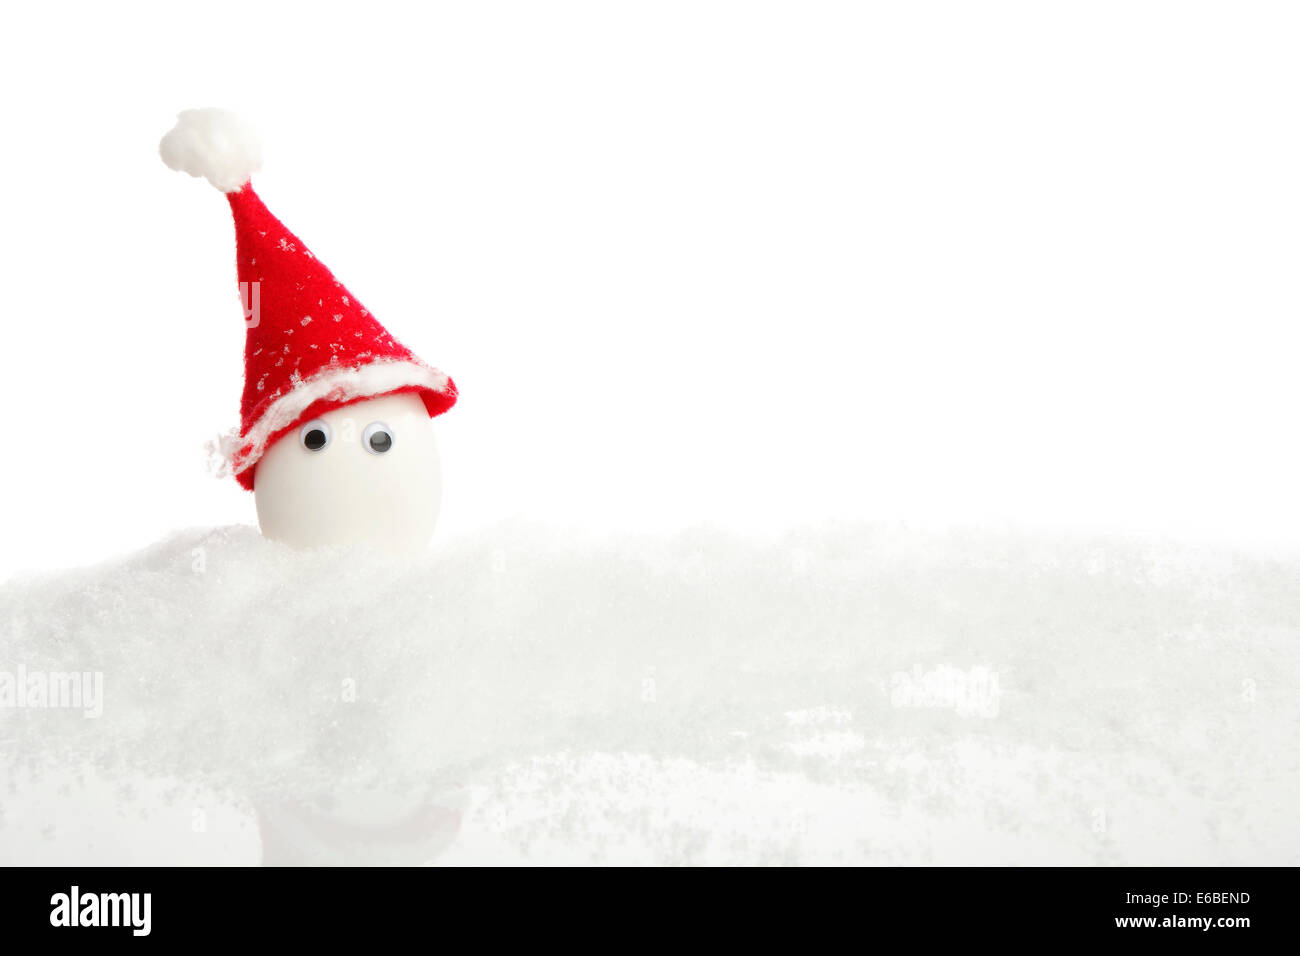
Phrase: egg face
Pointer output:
(367, 473)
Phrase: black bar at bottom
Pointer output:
(1230, 906)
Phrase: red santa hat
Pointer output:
(311, 346)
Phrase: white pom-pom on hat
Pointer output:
(215, 144)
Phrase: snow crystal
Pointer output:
(856, 694)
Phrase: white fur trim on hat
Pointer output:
(332, 385)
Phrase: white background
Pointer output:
(755, 264)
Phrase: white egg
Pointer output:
(364, 474)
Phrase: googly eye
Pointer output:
(315, 435)
(377, 438)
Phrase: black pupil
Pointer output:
(381, 441)
(315, 439)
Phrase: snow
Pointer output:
(844, 694)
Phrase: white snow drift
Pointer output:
(852, 694)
